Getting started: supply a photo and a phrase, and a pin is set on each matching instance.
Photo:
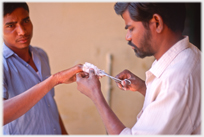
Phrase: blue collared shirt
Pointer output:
(19, 76)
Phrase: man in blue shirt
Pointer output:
(28, 106)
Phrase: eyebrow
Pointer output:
(14, 22)
(26, 18)
(10, 23)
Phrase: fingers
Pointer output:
(68, 73)
(123, 83)
(126, 82)
(83, 74)
(79, 76)
(126, 74)
(119, 85)
(79, 81)
(120, 76)
(77, 68)
(91, 73)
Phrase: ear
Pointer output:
(159, 24)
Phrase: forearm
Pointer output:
(17, 106)
(91, 87)
(112, 123)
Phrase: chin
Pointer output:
(140, 55)
(23, 45)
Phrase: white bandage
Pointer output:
(88, 66)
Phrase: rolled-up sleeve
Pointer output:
(126, 131)
(163, 116)
(168, 114)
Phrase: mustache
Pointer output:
(23, 37)
(131, 44)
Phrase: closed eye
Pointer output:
(131, 29)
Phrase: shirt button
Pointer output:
(26, 65)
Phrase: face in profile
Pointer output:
(138, 37)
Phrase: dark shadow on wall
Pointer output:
(193, 23)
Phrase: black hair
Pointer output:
(173, 14)
(9, 7)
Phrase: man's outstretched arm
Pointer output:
(15, 107)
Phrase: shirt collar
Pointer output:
(160, 65)
(7, 52)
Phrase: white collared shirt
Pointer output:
(172, 102)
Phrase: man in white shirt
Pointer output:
(172, 88)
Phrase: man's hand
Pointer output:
(137, 84)
(67, 76)
(88, 84)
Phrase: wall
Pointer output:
(73, 33)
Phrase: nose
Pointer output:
(21, 30)
(128, 36)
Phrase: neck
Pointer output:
(166, 42)
(22, 53)
(30, 58)
(25, 55)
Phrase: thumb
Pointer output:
(78, 77)
(91, 72)
(126, 82)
